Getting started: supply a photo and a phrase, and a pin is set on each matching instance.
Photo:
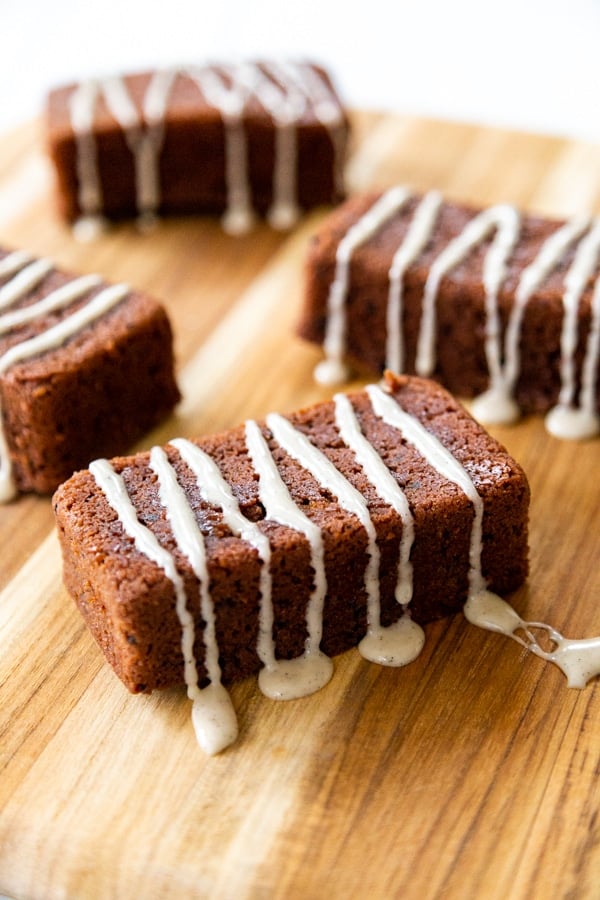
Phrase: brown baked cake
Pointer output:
(293, 539)
(85, 369)
(495, 305)
(267, 138)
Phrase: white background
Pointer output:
(528, 64)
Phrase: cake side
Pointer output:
(482, 301)
(256, 137)
(129, 603)
(85, 369)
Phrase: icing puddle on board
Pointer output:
(213, 714)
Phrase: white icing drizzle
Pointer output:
(332, 369)
(212, 711)
(497, 404)
(213, 715)
(579, 660)
(285, 105)
(325, 105)
(216, 491)
(14, 261)
(284, 90)
(47, 340)
(298, 677)
(417, 238)
(567, 420)
(504, 220)
(438, 456)
(401, 642)
(144, 136)
(230, 100)
(56, 300)
(25, 281)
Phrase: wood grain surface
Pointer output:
(472, 773)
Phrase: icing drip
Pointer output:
(214, 718)
(287, 679)
(504, 220)
(286, 106)
(438, 456)
(11, 264)
(332, 369)
(144, 136)
(51, 338)
(82, 105)
(215, 490)
(497, 404)
(567, 420)
(326, 108)
(230, 100)
(400, 643)
(417, 238)
(579, 660)
(284, 90)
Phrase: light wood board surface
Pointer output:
(472, 773)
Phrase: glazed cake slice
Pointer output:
(278, 544)
(495, 305)
(267, 138)
(85, 369)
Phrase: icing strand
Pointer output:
(26, 280)
(300, 448)
(230, 100)
(326, 108)
(216, 491)
(442, 460)
(504, 220)
(10, 264)
(213, 715)
(402, 642)
(286, 106)
(332, 370)
(567, 420)
(54, 301)
(417, 237)
(579, 660)
(50, 339)
(309, 672)
(497, 404)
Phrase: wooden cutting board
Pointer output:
(472, 772)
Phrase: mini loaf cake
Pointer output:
(85, 369)
(493, 304)
(266, 138)
(278, 544)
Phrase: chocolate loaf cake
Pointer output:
(278, 544)
(85, 369)
(266, 138)
(495, 305)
